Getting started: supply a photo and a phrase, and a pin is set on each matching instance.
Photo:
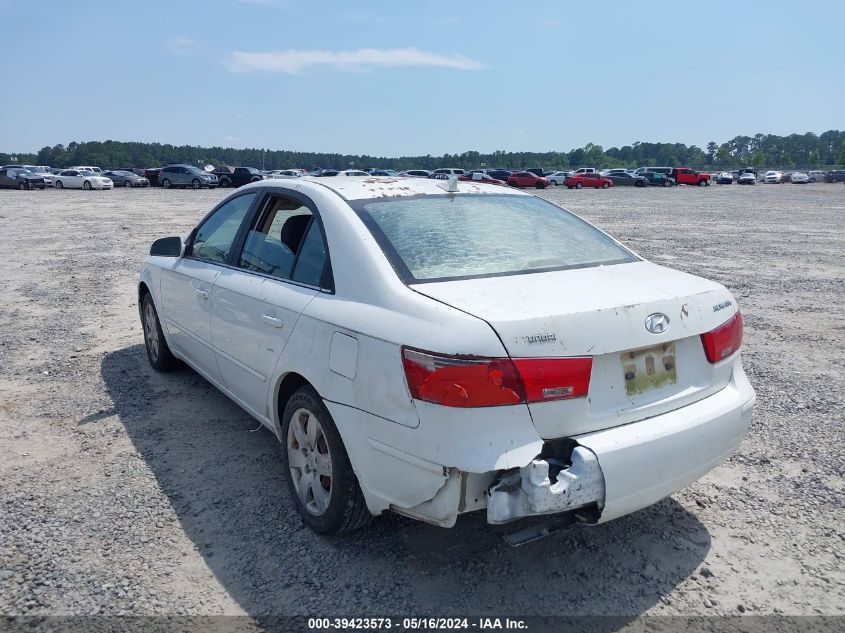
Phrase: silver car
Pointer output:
(186, 176)
(122, 178)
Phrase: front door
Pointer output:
(186, 287)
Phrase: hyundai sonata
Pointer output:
(435, 347)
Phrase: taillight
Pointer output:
(724, 340)
(461, 381)
(554, 378)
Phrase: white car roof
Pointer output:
(365, 187)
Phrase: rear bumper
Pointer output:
(630, 467)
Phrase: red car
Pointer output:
(527, 179)
(580, 181)
(481, 178)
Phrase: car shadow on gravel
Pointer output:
(225, 484)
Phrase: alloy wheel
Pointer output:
(310, 461)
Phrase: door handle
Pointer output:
(202, 293)
(271, 320)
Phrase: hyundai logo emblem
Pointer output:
(657, 323)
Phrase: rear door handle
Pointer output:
(271, 320)
(202, 293)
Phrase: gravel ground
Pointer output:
(129, 492)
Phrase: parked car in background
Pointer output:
(536, 171)
(479, 177)
(816, 175)
(594, 180)
(81, 179)
(624, 179)
(657, 179)
(285, 173)
(122, 178)
(320, 173)
(151, 174)
(583, 170)
(724, 178)
(687, 176)
(527, 179)
(415, 173)
(43, 171)
(773, 177)
(556, 177)
(835, 175)
(186, 176)
(615, 170)
(747, 178)
(237, 176)
(352, 172)
(499, 174)
(96, 170)
(20, 178)
(657, 170)
(449, 171)
(382, 172)
(799, 178)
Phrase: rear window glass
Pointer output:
(436, 238)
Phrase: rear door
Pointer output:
(256, 303)
(186, 286)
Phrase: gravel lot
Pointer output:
(129, 492)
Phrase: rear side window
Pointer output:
(437, 238)
(215, 236)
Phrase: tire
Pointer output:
(195, 184)
(158, 352)
(86, 185)
(604, 185)
(579, 185)
(639, 183)
(310, 451)
(165, 183)
(59, 184)
(666, 183)
(22, 186)
(127, 183)
(225, 183)
(702, 183)
(539, 185)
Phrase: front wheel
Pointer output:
(225, 182)
(195, 184)
(59, 184)
(604, 185)
(666, 183)
(22, 186)
(158, 352)
(127, 183)
(320, 478)
(86, 185)
(702, 183)
(579, 186)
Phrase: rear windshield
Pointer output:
(438, 238)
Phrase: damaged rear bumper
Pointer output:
(623, 469)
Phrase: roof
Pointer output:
(364, 187)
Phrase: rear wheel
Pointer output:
(540, 185)
(320, 478)
(666, 183)
(579, 186)
(86, 185)
(158, 351)
(165, 183)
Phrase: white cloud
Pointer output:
(181, 45)
(295, 61)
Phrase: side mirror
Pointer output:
(167, 247)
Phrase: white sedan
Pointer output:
(435, 347)
(799, 178)
(76, 179)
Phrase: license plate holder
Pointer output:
(649, 368)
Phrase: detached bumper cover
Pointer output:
(626, 468)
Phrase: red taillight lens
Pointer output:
(487, 382)
(461, 382)
(554, 378)
(723, 341)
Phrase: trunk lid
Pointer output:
(601, 312)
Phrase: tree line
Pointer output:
(761, 150)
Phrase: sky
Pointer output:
(413, 78)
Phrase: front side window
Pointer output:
(437, 238)
(286, 242)
(215, 236)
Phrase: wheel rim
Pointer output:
(86, 185)
(21, 186)
(59, 184)
(166, 184)
(151, 331)
(309, 461)
(195, 184)
(127, 183)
